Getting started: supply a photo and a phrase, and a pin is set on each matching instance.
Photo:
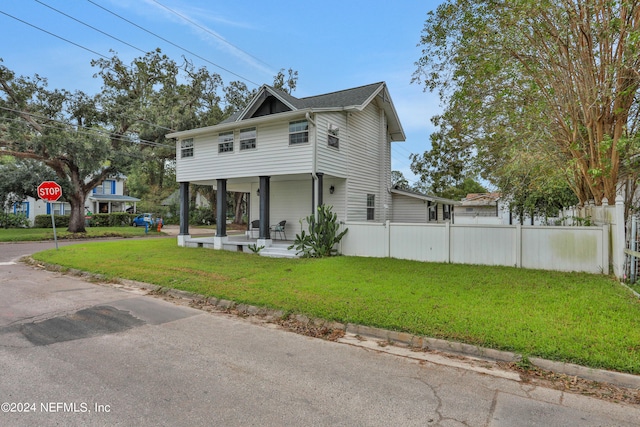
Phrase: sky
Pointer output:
(333, 45)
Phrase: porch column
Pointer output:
(184, 210)
(264, 207)
(184, 213)
(221, 208)
(320, 201)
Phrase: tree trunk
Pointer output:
(76, 219)
(238, 207)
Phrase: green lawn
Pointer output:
(580, 318)
(37, 234)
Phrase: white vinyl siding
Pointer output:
(290, 201)
(272, 156)
(330, 160)
(364, 158)
(409, 209)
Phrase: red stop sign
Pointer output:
(49, 191)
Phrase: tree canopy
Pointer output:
(85, 139)
(556, 80)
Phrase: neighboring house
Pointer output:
(481, 208)
(491, 208)
(292, 155)
(410, 206)
(109, 197)
(105, 198)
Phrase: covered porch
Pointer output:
(271, 200)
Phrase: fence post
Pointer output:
(387, 235)
(606, 240)
(447, 242)
(518, 245)
(618, 240)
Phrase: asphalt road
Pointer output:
(76, 353)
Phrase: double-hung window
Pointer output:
(298, 132)
(247, 138)
(333, 136)
(225, 142)
(186, 148)
(371, 206)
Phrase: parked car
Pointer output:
(144, 219)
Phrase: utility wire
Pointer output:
(88, 131)
(54, 35)
(172, 43)
(210, 32)
(90, 26)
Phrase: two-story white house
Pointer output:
(292, 155)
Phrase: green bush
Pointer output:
(9, 220)
(323, 235)
(44, 221)
(115, 219)
(202, 216)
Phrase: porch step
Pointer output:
(278, 251)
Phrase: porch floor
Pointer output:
(240, 243)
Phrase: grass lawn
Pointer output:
(37, 234)
(574, 317)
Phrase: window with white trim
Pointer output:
(108, 186)
(298, 132)
(186, 148)
(21, 208)
(225, 142)
(371, 206)
(333, 136)
(247, 138)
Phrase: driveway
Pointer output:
(79, 353)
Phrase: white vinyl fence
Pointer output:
(593, 249)
(584, 249)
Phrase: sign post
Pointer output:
(51, 192)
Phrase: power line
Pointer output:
(54, 35)
(210, 32)
(172, 43)
(90, 26)
(88, 131)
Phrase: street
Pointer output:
(76, 353)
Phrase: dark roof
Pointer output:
(357, 98)
(417, 195)
(342, 98)
(339, 99)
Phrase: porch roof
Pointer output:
(112, 198)
(427, 197)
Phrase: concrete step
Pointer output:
(278, 252)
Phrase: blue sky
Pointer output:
(333, 45)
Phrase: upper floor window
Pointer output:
(186, 148)
(225, 142)
(371, 206)
(247, 138)
(108, 186)
(333, 136)
(298, 132)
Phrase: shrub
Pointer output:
(44, 221)
(323, 235)
(115, 219)
(9, 220)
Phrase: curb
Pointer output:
(403, 339)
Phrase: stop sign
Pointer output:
(49, 191)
